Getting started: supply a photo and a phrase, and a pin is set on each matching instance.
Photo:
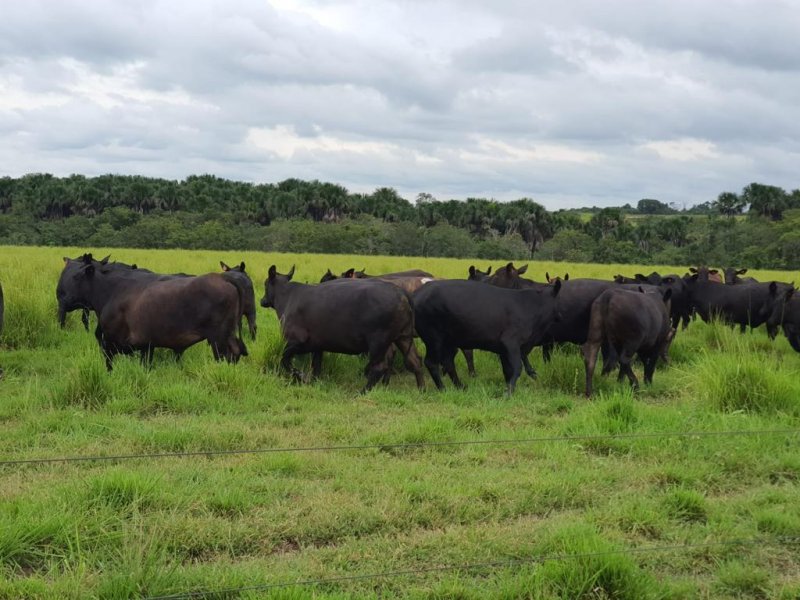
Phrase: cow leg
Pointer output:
(649, 367)
(411, 359)
(547, 349)
(316, 364)
(449, 365)
(742, 327)
(289, 352)
(610, 358)
(511, 359)
(433, 360)
(377, 367)
(590, 351)
(526, 362)
(470, 358)
(794, 341)
(625, 359)
(85, 318)
(251, 325)
(105, 348)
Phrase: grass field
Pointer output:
(157, 526)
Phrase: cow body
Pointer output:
(744, 305)
(349, 317)
(466, 314)
(140, 311)
(630, 323)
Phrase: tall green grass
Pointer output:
(146, 527)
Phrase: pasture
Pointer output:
(620, 513)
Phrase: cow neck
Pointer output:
(283, 294)
(104, 286)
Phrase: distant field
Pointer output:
(157, 526)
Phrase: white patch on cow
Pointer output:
(425, 280)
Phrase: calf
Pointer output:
(241, 279)
(140, 313)
(745, 305)
(466, 314)
(629, 323)
(348, 317)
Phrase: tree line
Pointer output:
(756, 227)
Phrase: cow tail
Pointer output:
(239, 313)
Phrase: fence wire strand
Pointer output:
(491, 565)
(398, 446)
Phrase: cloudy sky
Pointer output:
(572, 103)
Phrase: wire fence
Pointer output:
(12, 462)
(469, 567)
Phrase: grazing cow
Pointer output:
(749, 304)
(348, 317)
(240, 278)
(477, 275)
(732, 276)
(466, 314)
(137, 313)
(630, 323)
(353, 274)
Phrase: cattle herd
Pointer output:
(378, 316)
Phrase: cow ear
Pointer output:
(693, 277)
(489, 270)
(522, 269)
(556, 287)
(290, 274)
(692, 270)
(509, 268)
(741, 271)
(66, 260)
(547, 276)
(105, 260)
(349, 274)
(640, 277)
(773, 288)
(241, 266)
(134, 266)
(272, 272)
(225, 267)
(566, 276)
(472, 270)
(667, 294)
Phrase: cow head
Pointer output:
(703, 273)
(556, 278)
(328, 276)
(509, 276)
(239, 268)
(476, 275)
(273, 284)
(68, 294)
(732, 275)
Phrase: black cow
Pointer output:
(240, 278)
(467, 314)
(704, 274)
(348, 317)
(745, 305)
(353, 274)
(630, 323)
(680, 307)
(732, 276)
(71, 266)
(140, 312)
(788, 316)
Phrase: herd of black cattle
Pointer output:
(355, 313)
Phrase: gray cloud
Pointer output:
(572, 104)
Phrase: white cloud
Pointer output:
(686, 149)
